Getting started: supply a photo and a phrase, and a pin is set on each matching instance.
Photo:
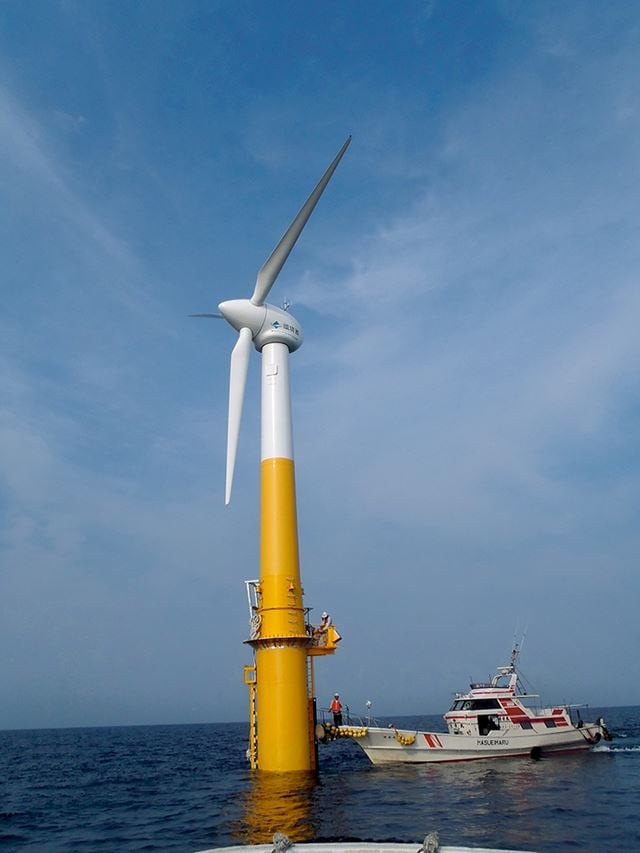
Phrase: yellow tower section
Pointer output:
(284, 735)
(281, 700)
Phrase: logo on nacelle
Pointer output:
(287, 327)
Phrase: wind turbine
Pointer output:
(285, 739)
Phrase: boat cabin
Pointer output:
(498, 707)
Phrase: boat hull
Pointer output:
(385, 746)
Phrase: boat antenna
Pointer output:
(517, 647)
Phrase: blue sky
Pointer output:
(466, 403)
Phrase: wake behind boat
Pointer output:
(497, 719)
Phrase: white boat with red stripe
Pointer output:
(497, 719)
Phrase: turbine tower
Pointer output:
(283, 726)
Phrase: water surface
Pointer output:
(185, 788)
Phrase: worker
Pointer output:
(320, 631)
(336, 710)
(324, 622)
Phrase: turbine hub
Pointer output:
(243, 314)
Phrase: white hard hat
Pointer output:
(336, 695)
(324, 614)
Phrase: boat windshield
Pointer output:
(475, 705)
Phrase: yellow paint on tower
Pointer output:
(283, 721)
(284, 743)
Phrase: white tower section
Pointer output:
(277, 433)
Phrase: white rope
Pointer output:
(431, 843)
(280, 842)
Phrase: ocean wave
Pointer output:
(605, 748)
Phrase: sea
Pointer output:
(188, 788)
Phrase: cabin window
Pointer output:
(482, 705)
(525, 724)
(488, 723)
(476, 705)
(550, 724)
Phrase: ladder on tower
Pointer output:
(251, 680)
(312, 711)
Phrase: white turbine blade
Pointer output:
(237, 382)
(274, 263)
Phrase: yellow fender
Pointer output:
(405, 740)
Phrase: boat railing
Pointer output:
(530, 700)
(327, 715)
(348, 719)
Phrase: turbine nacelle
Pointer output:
(267, 323)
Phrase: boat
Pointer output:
(495, 719)
(431, 844)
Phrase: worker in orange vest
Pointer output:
(336, 710)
